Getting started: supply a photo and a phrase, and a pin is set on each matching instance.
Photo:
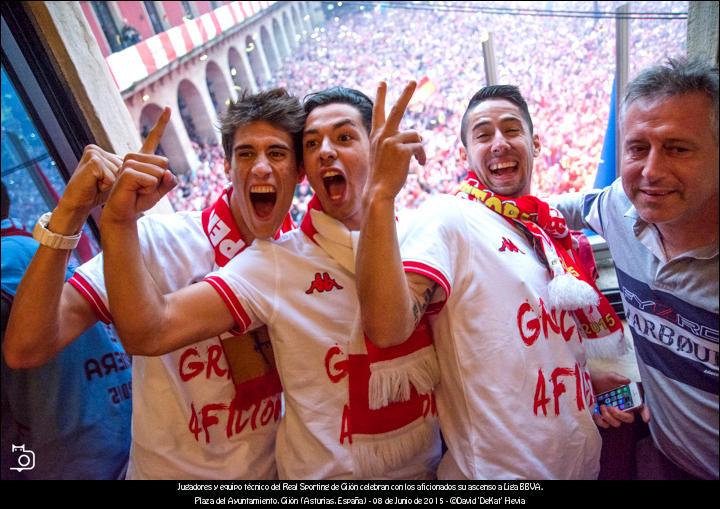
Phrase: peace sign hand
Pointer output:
(391, 149)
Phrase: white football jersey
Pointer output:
(206, 411)
(310, 305)
(514, 395)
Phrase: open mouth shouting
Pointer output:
(263, 198)
(503, 169)
(335, 185)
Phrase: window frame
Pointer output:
(51, 107)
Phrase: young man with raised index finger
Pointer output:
(209, 410)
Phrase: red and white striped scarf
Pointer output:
(570, 288)
(222, 231)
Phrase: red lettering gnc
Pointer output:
(567, 332)
(548, 318)
(530, 331)
(339, 369)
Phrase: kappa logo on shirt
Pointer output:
(508, 245)
(323, 283)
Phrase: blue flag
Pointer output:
(607, 172)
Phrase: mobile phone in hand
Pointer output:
(625, 398)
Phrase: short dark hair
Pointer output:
(276, 107)
(343, 95)
(676, 76)
(509, 93)
(5, 202)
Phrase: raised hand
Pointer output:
(391, 149)
(144, 178)
(91, 181)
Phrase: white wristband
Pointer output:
(53, 240)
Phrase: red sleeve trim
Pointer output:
(231, 301)
(429, 272)
(88, 292)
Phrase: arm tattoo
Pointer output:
(420, 304)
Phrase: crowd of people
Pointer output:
(565, 66)
(196, 190)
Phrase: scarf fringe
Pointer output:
(376, 455)
(611, 346)
(570, 293)
(390, 380)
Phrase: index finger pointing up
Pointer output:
(397, 111)
(156, 133)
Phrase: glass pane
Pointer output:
(32, 178)
(102, 11)
(652, 40)
(560, 54)
(154, 17)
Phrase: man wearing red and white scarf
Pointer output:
(518, 311)
(351, 410)
(209, 410)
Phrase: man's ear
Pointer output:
(227, 168)
(536, 145)
(301, 172)
(462, 152)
